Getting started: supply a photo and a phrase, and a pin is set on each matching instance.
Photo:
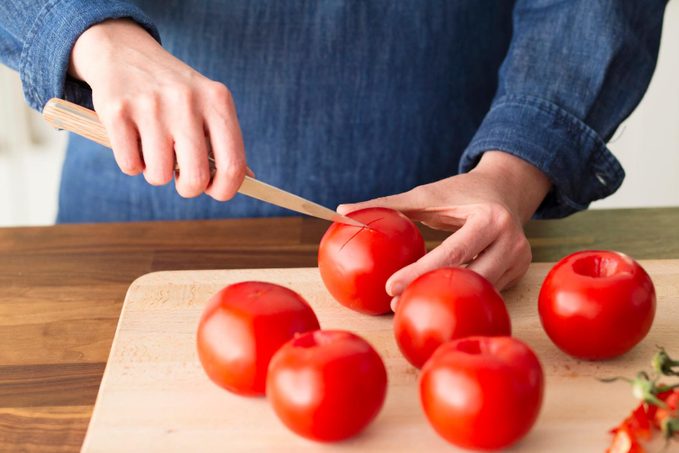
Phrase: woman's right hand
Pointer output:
(155, 107)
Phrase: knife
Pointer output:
(84, 122)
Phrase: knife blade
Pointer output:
(279, 197)
(74, 118)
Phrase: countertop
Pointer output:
(62, 288)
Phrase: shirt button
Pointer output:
(601, 179)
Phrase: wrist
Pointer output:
(523, 186)
(97, 48)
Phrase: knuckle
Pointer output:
(230, 180)
(235, 171)
(128, 166)
(149, 103)
(526, 251)
(183, 192)
(186, 191)
(194, 184)
(118, 109)
(222, 194)
(219, 93)
(158, 178)
(182, 95)
(521, 250)
(500, 216)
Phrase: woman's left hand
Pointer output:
(485, 208)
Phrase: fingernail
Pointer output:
(340, 209)
(396, 289)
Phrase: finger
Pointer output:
(512, 277)
(393, 304)
(503, 262)
(403, 202)
(191, 151)
(415, 207)
(449, 218)
(125, 144)
(229, 154)
(156, 147)
(459, 248)
(509, 280)
(492, 264)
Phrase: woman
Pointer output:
(478, 114)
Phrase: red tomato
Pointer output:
(242, 326)
(326, 385)
(443, 305)
(482, 392)
(597, 304)
(355, 263)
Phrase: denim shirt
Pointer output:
(343, 101)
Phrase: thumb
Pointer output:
(401, 202)
(397, 283)
(457, 249)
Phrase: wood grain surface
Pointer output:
(62, 289)
(154, 396)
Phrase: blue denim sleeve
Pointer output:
(574, 71)
(36, 38)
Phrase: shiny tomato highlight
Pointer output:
(482, 393)
(443, 305)
(326, 385)
(355, 263)
(597, 304)
(242, 326)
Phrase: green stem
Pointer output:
(645, 389)
(669, 427)
(614, 379)
(664, 364)
(665, 388)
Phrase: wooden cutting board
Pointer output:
(155, 397)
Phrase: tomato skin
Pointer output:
(596, 304)
(443, 305)
(482, 393)
(356, 263)
(326, 385)
(241, 328)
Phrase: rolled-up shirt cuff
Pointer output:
(47, 48)
(572, 155)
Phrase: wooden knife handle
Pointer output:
(77, 119)
(74, 118)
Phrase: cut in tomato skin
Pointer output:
(355, 263)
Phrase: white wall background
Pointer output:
(647, 145)
(30, 159)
